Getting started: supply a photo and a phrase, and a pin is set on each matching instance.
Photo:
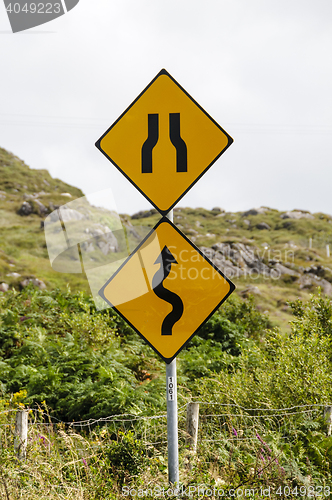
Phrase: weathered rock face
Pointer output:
(237, 259)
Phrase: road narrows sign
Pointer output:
(164, 142)
(166, 289)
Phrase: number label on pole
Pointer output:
(170, 389)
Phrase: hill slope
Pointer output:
(277, 256)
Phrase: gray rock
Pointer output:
(142, 214)
(263, 225)
(87, 246)
(251, 289)
(236, 259)
(283, 270)
(27, 196)
(319, 270)
(296, 214)
(254, 211)
(66, 214)
(41, 208)
(25, 209)
(104, 239)
(35, 281)
(246, 222)
(4, 287)
(309, 281)
(191, 232)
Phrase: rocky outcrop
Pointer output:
(311, 281)
(296, 214)
(101, 237)
(237, 259)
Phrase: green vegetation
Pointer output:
(261, 367)
(61, 356)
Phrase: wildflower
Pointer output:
(43, 439)
(234, 432)
(85, 462)
(263, 442)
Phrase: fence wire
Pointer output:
(220, 424)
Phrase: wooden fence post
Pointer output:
(21, 433)
(328, 418)
(192, 425)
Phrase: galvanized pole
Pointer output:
(172, 415)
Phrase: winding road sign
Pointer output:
(164, 142)
(166, 289)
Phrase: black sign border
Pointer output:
(231, 284)
(230, 141)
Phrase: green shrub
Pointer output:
(127, 456)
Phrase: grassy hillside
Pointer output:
(274, 255)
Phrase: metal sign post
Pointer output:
(172, 415)
(172, 423)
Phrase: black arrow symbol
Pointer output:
(166, 259)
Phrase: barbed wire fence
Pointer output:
(220, 426)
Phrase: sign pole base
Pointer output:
(172, 424)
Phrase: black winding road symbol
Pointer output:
(166, 259)
(176, 140)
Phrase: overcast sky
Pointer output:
(261, 68)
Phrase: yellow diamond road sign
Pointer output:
(164, 142)
(166, 289)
